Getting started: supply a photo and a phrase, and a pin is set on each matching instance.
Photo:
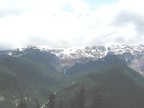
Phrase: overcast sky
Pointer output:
(70, 23)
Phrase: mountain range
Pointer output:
(65, 58)
(36, 72)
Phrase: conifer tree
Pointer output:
(72, 103)
(37, 103)
(97, 98)
(80, 98)
(51, 102)
(60, 104)
(22, 103)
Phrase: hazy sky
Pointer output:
(70, 23)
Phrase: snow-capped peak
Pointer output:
(69, 56)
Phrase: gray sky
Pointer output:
(70, 23)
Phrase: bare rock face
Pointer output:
(133, 55)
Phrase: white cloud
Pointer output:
(43, 22)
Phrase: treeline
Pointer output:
(78, 101)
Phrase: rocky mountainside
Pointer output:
(67, 57)
(133, 54)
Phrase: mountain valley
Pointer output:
(35, 72)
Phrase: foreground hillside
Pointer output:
(29, 76)
(121, 87)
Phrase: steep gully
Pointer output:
(73, 82)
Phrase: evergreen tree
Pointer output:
(97, 98)
(72, 103)
(60, 104)
(37, 103)
(22, 103)
(80, 98)
(51, 102)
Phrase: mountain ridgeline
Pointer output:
(103, 82)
